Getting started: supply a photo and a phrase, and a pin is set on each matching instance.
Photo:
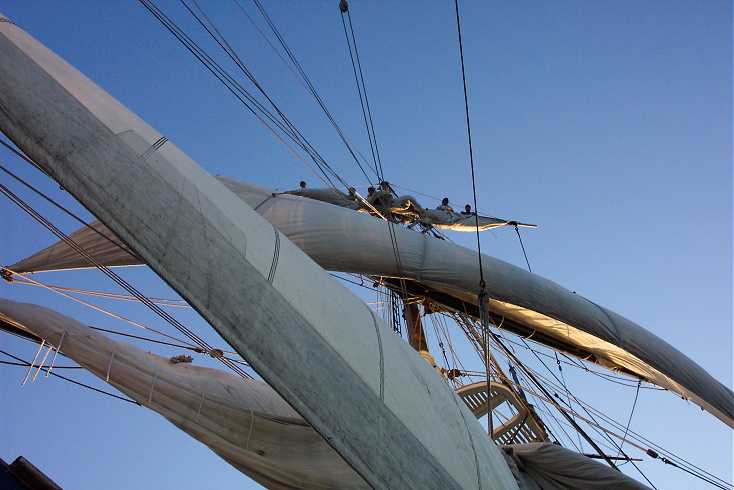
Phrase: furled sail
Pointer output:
(407, 210)
(317, 344)
(243, 421)
(251, 427)
(339, 239)
(547, 466)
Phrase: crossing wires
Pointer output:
(361, 87)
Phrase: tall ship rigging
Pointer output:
(307, 386)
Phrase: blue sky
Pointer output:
(609, 124)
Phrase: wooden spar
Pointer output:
(416, 334)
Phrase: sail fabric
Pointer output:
(547, 466)
(243, 421)
(468, 223)
(311, 339)
(251, 427)
(339, 239)
(408, 205)
(96, 238)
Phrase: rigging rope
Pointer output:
(305, 78)
(64, 209)
(173, 303)
(595, 421)
(22, 156)
(654, 455)
(638, 437)
(104, 311)
(471, 150)
(118, 280)
(361, 87)
(11, 363)
(219, 38)
(565, 386)
(558, 361)
(517, 230)
(369, 125)
(78, 383)
(548, 395)
(245, 97)
(180, 344)
(632, 412)
(482, 299)
(568, 393)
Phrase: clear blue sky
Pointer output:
(608, 123)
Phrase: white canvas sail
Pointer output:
(243, 421)
(437, 218)
(339, 239)
(255, 430)
(546, 466)
(312, 340)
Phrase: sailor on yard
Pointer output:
(445, 206)
(382, 197)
